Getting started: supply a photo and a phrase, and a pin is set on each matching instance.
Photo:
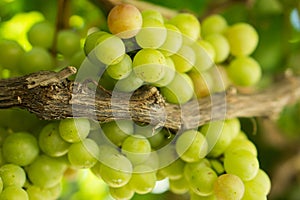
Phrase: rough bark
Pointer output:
(50, 95)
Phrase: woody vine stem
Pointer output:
(50, 95)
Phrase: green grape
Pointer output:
(244, 71)
(120, 70)
(169, 74)
(121, 193)
(221, 46)
(13, 193)
(152, 34)
(194, 196)
(74, 129)
(205, 55)
(218, 135)
(143, 179)
(179, 186)
(201, 180)
(174, 170)
(235, 125)
(41, 34)
(109, 49)
(213, 24)
(184, 59)
(108, 82)
(242, 38)
(12, 175)
(68, 43)
(115, 170)
(51, 142)
(106, 150)
(241, 163)
(229, 187)
(83, 154)
(124, 20)
(167, 155)
(199, 164)
(36, 59)
(191, 146)
(91, 42)
(10, 54)
(155, 136)
(20, 148)
(260, 184)
(77, 59)
(188, 24)
(202, 82)
(149, 65)
(173, 40)
(241, 144)
(220, 78)
(217, 165)
(154, 14)
(96, 169)
(137, 148)
(168, 138)
(152, 161)
(37, 193)
(180, 90)
(118, 131)
(129, 84)
(46, 171)
(56, 190)
(249, 194)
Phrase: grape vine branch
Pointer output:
(51, 95)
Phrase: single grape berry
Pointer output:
(124, 20)
(20, 148)
(41, 34)
(10, 53)
(68, 43)
(244, 71)
(242, 38)
(36, 59)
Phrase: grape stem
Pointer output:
(51, 95)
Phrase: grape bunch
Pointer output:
(179, 56)
(185, 60)
(131, 158)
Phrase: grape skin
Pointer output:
(74, 130)
(241, 163)
(83, 154)
(229, 187)
(149, 65)
(10, 54)
(12, 175)
(124, 20)
(13, 193)
(20, 148)
(242, 39)
(244, 71)
(41, 34)
(51, 142)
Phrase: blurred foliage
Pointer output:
(278, 25)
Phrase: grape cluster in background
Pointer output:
(185, 58)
